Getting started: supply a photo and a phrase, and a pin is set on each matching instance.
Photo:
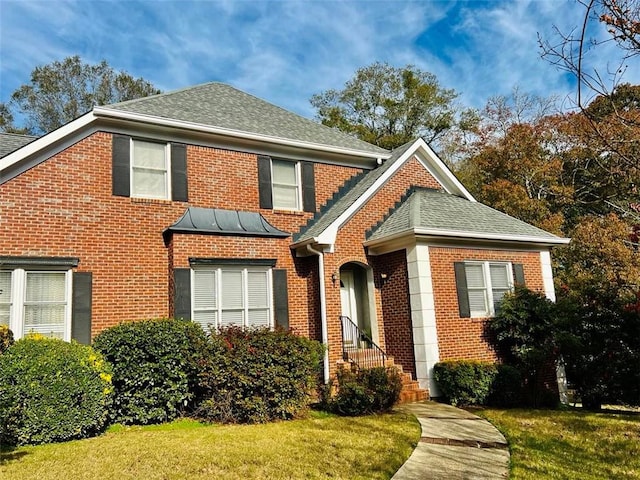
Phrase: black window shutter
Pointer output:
(120, 169)
(281, 298)
(461, 287)
(308, 187)
(179, 191)
(182, 293)
(264, 181)
(81, 308)
(518, 274)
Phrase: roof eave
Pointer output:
(45, 141)
(474, 236)
(198, 127)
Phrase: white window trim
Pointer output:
(298, 175)
(488, 287)
(218, 280)
(18, 298)
(167, 158)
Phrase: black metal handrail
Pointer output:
(357, 346)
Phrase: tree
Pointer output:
(600, 331)
(388, 106)
(63, 90)
(570, 52)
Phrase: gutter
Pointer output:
(323, 311)
(228, 132)
(449, 234)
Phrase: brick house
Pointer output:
(213, 205)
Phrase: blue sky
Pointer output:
(285, 51)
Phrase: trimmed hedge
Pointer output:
(257, 375)
(471, 382)
(155, 368)
(364, 391)
(465, 382)
(52, 391)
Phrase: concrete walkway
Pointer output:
(455, 445)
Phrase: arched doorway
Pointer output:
(356, 297)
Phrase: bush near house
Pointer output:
(363, 391)
(156, 364)
(469, 382)
(52, 391)
(465, 382)
(257, 375)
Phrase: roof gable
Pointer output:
(323, 228)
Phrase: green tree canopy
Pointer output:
(388, 106)
(63, 90)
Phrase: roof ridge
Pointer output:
(162, 94)
(19, 134)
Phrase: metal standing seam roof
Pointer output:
(333, 209)
(220, 105)
(429, 209)
(10, 142)
(225, 222)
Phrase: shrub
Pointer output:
(364, 391)
(6, 338)
(257, 375)
(52, 391)
(506, 388)
(155, 368)
(525, 332)
(465, 382)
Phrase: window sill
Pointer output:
(294, 213)
(153, 201)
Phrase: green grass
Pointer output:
(320, 446)
(569, 444)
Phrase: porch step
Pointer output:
(411, 391)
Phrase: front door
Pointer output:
(349, 304)
(348, 296)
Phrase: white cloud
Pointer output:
(284, 51)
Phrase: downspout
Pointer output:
(323, 311)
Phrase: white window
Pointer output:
(36, 302)
(150, 170)
(285, 179)
(487, 282)
(229, 295)
(5, 298)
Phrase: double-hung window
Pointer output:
(481, 286)
(228, 295)
(150, 170)
(36, 301)
(286, 185)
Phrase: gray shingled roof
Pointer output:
(429, 209)
(220, 105)
(10, 142)
(346, 195)
(225, 222)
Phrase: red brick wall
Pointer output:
(396, 308)
(64, 207)
(464, 338)
(349, 248)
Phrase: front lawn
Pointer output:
(321, 446)
(569, 444)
